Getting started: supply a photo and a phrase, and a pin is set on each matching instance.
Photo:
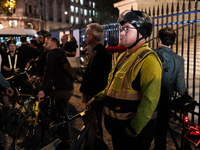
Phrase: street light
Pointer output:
(65, 12)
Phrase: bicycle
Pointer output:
(190, 132)
(14, 115)
(27, 134)
(94, 142)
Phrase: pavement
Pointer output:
(77, 106)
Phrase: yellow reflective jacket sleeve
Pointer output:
(150, 83)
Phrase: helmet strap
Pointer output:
(138, 39)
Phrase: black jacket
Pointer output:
(96, 74)
(54, 72)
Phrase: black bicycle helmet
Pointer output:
(10, 41)
(140, 20)
(44, 33)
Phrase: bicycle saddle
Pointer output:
(183, 104)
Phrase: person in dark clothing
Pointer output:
(35, 50)
(62, 83)
(98, 68)
(12, 61)
(71, 46)
(166, 38)
(25, 50)
(3, 48)
(40, 63)
(34, 56)
(64, 39)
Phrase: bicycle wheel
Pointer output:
(27, 135)
(14, 115)
(11, 120)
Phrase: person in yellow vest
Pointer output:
(133, 90)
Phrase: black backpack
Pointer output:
(168, 66)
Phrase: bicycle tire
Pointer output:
(14, 115)
(11, 121)
(26, 134)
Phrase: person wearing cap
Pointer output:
(133, 89)
(12, 61)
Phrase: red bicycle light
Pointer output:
(186, 119)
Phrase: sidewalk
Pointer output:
(77, 106)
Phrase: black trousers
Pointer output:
(162, 123)
(122, 142)
(62, 104)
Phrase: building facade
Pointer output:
(50, 14)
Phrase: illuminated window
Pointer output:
(72, 1)
(90, 4)
(81, 2)
(13, 23)
(93, 4)
(85, 12)
(72, 8)
(72, 19)
(89, 12)
(93, 12)
(76, 9)
(76, 20)
(76, 1)
(85, 21)
(81, 11)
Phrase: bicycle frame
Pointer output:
(87, 130)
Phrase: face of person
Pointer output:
(31, 45)
(159, 42)
(89, 37)
(40, 39)
(12, 47)
(64, 39)
(128, 35)
(47, 45)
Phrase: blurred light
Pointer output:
(1, 26)
(82, 59)
(65, 12)
(186, 119)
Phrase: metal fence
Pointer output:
(184, 18)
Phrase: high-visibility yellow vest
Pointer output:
(122, 99)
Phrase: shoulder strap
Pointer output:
(140, 56)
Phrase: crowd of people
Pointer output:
(132, 95)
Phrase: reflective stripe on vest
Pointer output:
(125, 95)
(10, 63)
